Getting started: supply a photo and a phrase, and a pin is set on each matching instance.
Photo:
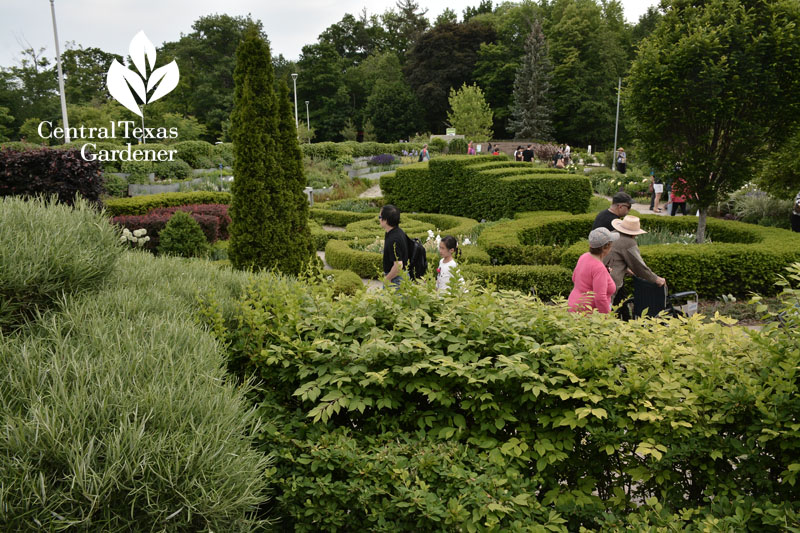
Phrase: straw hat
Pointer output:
(629, 225)
(620, 149)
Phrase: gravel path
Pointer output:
(372, 192)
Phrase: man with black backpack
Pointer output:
(399, 252)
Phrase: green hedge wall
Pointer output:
(545, 281)
(742, 258)
(484, 187)
(141, 205)
(332, 150)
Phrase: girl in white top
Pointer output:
(448, 250)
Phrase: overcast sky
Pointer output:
(111, 24)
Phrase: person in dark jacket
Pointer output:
(620, 205)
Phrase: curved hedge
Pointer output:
(340, 254)
(484, 187)
(742, 258)
(141, 205)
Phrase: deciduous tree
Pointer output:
(469, 113)
(717, 87)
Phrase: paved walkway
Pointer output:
(372, 192)
(645, 208)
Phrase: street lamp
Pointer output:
(60, 75)
(294, 81)
(308, 123)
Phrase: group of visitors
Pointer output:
(613, 253)
(396, 252)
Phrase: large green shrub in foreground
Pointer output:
(268, 227)
(49, 251)
(115, 411)
(480, 411)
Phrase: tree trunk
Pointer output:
(701, 226)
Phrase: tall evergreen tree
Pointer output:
(532, 107)
(268, 227)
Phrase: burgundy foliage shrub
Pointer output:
(155, 222)
(217, 210)
(48, 172)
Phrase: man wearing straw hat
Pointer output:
(624, 256)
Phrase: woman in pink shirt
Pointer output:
(593, 284)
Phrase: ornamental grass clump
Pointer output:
(50, 250)
(116, 414)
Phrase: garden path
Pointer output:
(372, 192)
(644, 208)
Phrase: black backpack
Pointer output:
(417, 259)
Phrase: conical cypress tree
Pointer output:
(268, 223)
(291, 161)
(531, 117)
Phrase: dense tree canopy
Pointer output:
(717, 88)
(590, 45)
(444, 58)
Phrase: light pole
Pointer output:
(60, 75)
(616, 126)
(294, 81)
(308, 124)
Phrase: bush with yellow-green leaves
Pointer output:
(487, 411)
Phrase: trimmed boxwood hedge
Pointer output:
(742, 258)
(484, 187)
(141, 205)
(545, 281)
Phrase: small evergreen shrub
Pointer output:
(46, 171)
(216, 210)
(438, 145)
(49, 251)
(139, 171)
(183, 237)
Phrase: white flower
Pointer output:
(139, 232)
(466, 241)
(123, 238)
(438, 239)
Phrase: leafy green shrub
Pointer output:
(327, 150)
(545, 281)
(117, 414)
(183, 237)
(490, 411)
(49, 251)
(115, 185)
(139, 171)
(222, 153)
(197, 154)
(457, 147)
(172, 170)
(437, 145)
(343, 281)
(483, 187)
(141, 205)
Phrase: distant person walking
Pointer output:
(678, 196)
(518, 154)
(567, 156)
(656, 188)
(620, 206)
(424, 155)
(622, 160)
(796, 214)
(470, 149)
(527, 154)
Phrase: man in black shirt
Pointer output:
(395, 246)
(620, 205)
(527, 154)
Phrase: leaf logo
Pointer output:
(125, 84)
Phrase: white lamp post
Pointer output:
(308, 123)
(60, 75)
(294, 81)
